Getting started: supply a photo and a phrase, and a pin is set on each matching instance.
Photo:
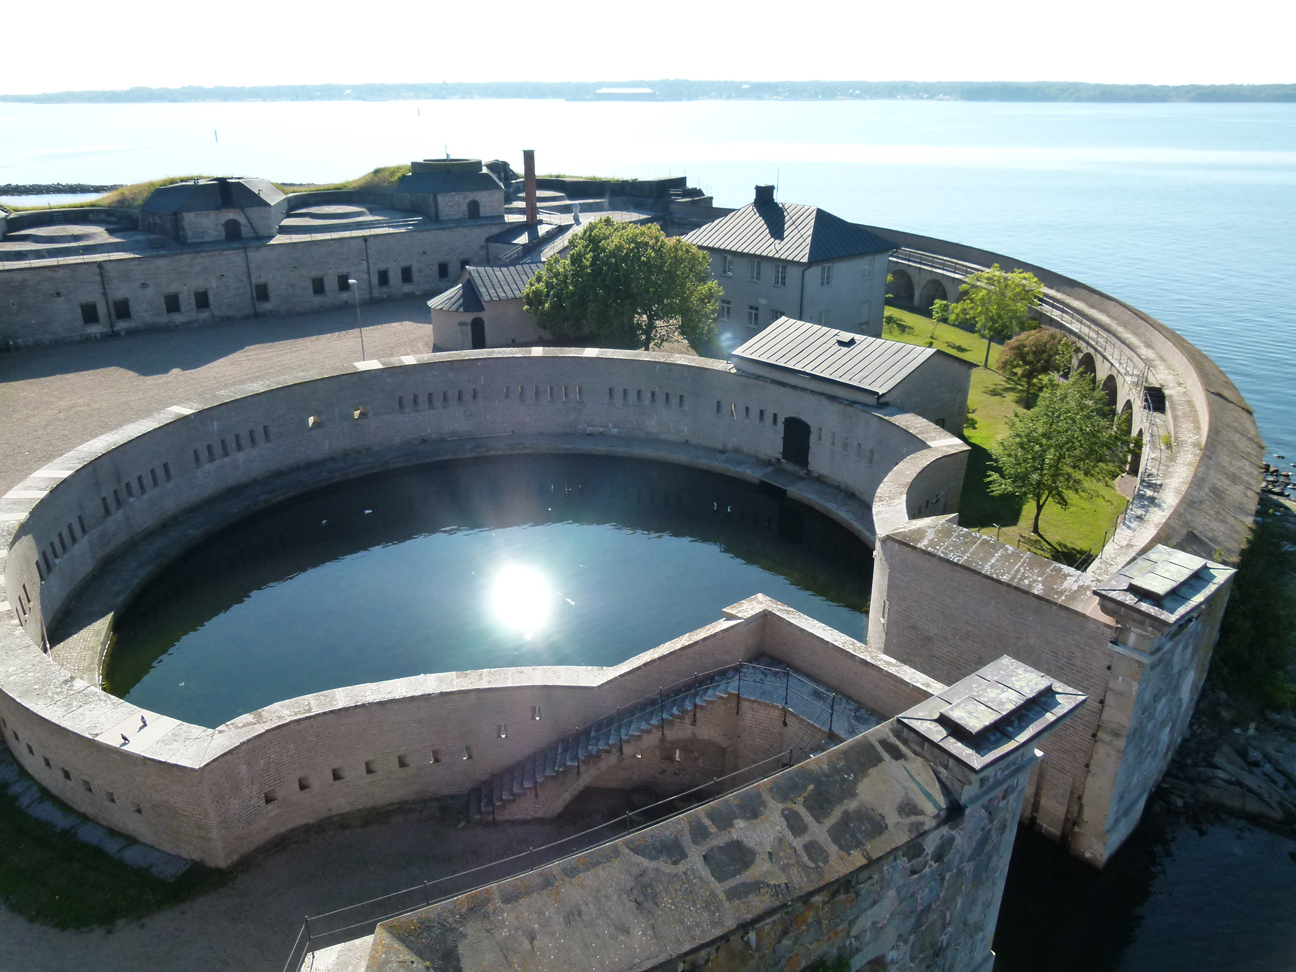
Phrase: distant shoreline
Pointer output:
(676, 90)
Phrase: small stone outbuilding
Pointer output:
(211, 210)
(484, 309)
(870, 370)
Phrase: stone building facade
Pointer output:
(229, 249)
(784, 260)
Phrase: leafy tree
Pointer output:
(629, 286)
(1059, 448)
(995, 302)
(1033, 354)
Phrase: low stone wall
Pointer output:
(216, 794)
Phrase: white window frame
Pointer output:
(825, 318)
(868, 270)
(753, 315)
(726, 265)
(780, 275)
(726, 310)
(754, 270)
(825, 275)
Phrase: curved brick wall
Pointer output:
(216, 794)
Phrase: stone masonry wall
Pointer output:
(929, 906)
(948, 620)
(42, 302)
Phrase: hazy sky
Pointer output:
(78, 44)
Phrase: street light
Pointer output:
(359, 327)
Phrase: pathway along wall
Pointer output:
(1197, 492)
(216, 794)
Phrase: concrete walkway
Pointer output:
(53, 399)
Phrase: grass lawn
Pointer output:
(992, 400)
(52, 878)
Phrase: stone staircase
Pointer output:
(764, 680)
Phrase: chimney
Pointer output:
(528, 181)
(764, 194)
(226, 194)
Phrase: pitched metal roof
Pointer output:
(502, 283)
(874, 364)
(207, 195)
(448, 300)
(788, 231)
(431, 183)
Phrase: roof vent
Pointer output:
(764, 194)
(845, 340)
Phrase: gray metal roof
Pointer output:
(205, 195)
(448, 300)
(874, 364)
(502, 283)
(787, 231)
(432, 183)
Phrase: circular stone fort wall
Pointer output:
(215, 794)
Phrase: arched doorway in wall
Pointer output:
(902, 288)
(233, 229)
(1136, 455)
(796, 442)
(933, 290)
(1086, 366)
(478, 329)
(474, 209)
(1110, 390)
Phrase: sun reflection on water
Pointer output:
(521, 599)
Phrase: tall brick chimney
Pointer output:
(529, 183)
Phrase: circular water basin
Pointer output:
(471, 564)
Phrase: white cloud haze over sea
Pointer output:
(78, 44)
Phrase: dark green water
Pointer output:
(487, 563)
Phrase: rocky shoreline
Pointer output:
(1231, 770)
(52, 189)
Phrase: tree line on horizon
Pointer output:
(686, 90)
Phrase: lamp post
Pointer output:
(359, 327)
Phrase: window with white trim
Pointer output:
(825, 318)
(754, 270)
(726, 310)
(726, 265)
(825, 275)
(780, 275)
(753, 315)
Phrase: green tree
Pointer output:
(628, 286)
(1033, 354)
(1059, 448)
(995, 302)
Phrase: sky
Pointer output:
(159, 43)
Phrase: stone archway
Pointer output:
(233, 229)
(902, 287)
(932, 291)
(1109, 388)
(1136, 455)
(1087, 366)
(474, 209)
(478, 331)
